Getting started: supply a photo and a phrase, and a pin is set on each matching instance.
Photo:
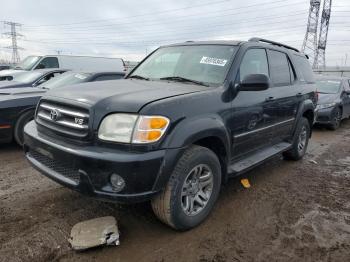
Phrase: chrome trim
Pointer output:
(263, 128)
(62, 122)
(64, 111)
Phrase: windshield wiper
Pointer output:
(139, 77)
(183, 79)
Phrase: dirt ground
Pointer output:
(294, 211)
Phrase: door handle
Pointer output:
(270, 98)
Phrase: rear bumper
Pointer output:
(87, 169)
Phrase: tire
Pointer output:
(19, 127)
(173, 205)
(301, 141)
(336, 119)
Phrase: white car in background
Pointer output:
(75, 63)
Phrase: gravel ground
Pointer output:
(294, 211)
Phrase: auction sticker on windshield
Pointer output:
(213, 61)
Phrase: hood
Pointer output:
(21, 91)
(126, 95)
(17, 97)
(327, 98)
(9, 72)
(12, 84)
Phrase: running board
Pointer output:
(256, 158)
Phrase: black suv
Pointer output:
(187, 118)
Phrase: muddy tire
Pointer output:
(19, 127)
(301, 141)
(192, 190)
(336, 119)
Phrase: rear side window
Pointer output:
(48, 62)
(108, 77)
(254, 62)
(279, 68)
(304, 69)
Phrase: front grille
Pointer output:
(61, 168)
(63, 118)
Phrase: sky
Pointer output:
(130, 29)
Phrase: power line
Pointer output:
(320, 59)
(13, 35)
(221, 13)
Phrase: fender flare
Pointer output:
(303, 107)
(186, 133)
(190, 130)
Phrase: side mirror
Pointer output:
(254, 82)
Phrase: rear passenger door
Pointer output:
(283, 97)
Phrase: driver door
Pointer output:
(248, 124)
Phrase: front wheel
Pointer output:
(192, 189)
(301, 141)
(336, 119)
(19, 127)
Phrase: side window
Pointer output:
(304, 69)
(254, 62)
(47, 77)
(108, 77)
(48, 62)
(291, 72)
(279, 68)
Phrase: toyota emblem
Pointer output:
(54, 114)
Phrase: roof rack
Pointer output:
(257, 39)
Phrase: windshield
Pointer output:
(68, 78)
(27, 77)
(202, 63)
(328, 86)
(28, 63)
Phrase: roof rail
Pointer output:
(257, 39)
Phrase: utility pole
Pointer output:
(309, 46)
(320, 59)
(13, 35)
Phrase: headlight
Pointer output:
(130, 128)
(323, 106)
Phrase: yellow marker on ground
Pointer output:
(245, 182)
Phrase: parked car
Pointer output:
(74, 63)
(31, 78)
(334, 100)
(17, 105)
(3, 67)
(176, 128)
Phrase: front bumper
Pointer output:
(324, 116)
(87, 169)
(6, 133)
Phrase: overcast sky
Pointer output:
(130, 28)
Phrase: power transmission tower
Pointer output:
(320, 58)
(13, 35)
(309, 46)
